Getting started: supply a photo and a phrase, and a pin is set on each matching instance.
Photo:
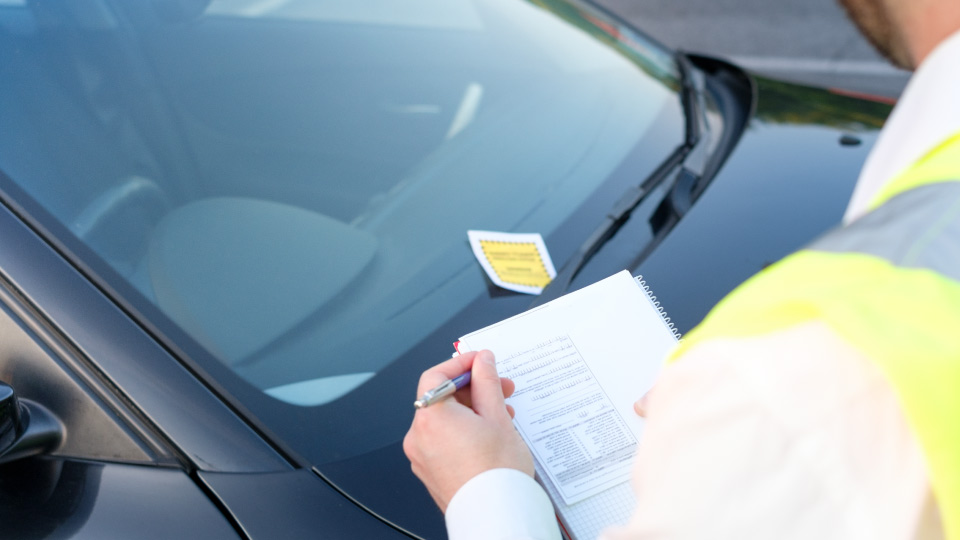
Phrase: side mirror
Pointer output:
(26, 428)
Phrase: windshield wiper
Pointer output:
(692, 154)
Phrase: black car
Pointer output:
(233, 233)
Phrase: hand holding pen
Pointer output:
(453, 384)
(452, 439)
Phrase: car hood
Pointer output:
(786, 182)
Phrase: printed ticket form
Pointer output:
(569, 421)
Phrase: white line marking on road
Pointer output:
(817, 65)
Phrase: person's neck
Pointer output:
(933, 23)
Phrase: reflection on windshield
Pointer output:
(430, 14)
(786, 103)
(291, 182)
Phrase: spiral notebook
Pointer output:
(579, 363)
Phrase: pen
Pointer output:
(446, 389)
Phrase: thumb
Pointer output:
(642, 405)
(486, 391)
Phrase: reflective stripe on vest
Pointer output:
(889, 284)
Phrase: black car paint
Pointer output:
(69, 498)
(294, 504)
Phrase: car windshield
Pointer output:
(282, 188)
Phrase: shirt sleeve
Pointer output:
(501, 504)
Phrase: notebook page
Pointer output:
(579, 363)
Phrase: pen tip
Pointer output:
(418, 404)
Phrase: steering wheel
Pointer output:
(117, 223)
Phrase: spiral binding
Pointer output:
(656, 303)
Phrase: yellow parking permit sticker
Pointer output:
(518, 262)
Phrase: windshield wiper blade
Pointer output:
(693, 150)
(611, 223)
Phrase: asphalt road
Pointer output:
(809, 41)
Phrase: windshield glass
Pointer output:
(283, 188)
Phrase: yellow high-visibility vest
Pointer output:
(888, 284)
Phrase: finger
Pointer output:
(445, 371)
(640, 406)
(508, 386)
(463, 395)
(486, 390)
(511, 412)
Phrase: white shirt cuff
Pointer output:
(501, 504)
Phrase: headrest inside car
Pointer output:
(238, 273)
